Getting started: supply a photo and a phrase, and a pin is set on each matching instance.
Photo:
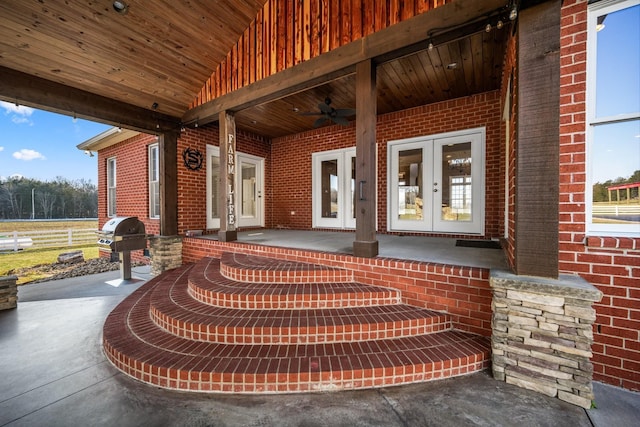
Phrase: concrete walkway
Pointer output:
(53, 373)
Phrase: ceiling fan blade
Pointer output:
(345, 112)
(340, 120)
(311, 113)
(319, 122)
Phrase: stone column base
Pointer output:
(166, 253)
(8, 292)
(542, 334)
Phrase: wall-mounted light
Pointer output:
(89, 153)
(513, 13)
(121, 7)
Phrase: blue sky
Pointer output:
(41, 145)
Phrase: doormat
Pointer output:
(486, 244)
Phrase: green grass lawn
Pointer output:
(10, 261)
(32, 257)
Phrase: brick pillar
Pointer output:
(542, 334)
(8, 292)
(166, 253)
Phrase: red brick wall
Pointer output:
(292, 156)
(132, 184)
(612, 264)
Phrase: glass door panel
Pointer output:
(329, 191)
(350, 220)
(457, 197)
(213, 182)
(410, 209)
(455, 177)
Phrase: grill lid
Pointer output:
(121, 226)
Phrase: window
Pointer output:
(613, 102)
(154, 182)
(111, 186)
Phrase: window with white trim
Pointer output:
(613, 117)
(111, 186)
(154, 182)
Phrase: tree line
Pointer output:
(601, 194)
(25, 198)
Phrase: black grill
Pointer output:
(123, 235)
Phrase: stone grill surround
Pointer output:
(542, 334)
(166, 253)
(8, 292)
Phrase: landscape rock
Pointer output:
(58, 270)
(71, 257)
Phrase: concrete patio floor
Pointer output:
(440, 250)
(54, 374)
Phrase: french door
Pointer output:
(436, 183)
(249, 189)
(333, 188)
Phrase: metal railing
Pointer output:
(16, 240)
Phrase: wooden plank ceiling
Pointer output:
(162, 55)
(158, 52)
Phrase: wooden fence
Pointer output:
(16, 240)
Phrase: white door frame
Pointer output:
(241, 158)
(345, 218)
(256, 220)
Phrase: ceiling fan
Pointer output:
(328, 113)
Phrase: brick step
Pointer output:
(256, 269)
(136, 346)
(208, 285)
(173, 309)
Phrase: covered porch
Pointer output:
(439, 250)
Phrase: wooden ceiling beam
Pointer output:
(390, 43)
(36, 92)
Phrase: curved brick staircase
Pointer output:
(248, 324)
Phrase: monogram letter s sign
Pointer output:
(192, 158)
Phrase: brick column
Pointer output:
(8, 292)
(542, 334)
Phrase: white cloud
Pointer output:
(19, 113)
(20, 110)
(1, 148)
(27, 154)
